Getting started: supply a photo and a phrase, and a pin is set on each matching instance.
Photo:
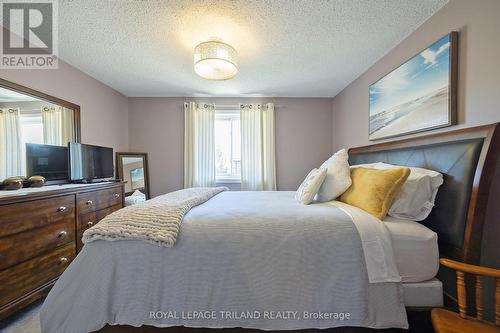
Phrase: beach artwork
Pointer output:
(137, 178)
(415, 96)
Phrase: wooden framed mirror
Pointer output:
(32, 124)
(133, 169)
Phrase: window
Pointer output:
(228, 146)
(31, 128)
(31, 132)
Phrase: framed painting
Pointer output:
(419, 95)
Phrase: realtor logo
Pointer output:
(29, 34)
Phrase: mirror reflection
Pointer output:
(28, 120)
(132, 168)
(133, 173)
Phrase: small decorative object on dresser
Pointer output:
(12, 183)
(36, 181)
(40, 234)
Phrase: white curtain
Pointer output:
(58, 125)
(199, 145)
(10, 144)
(258, 170)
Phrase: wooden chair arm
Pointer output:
(468, 268)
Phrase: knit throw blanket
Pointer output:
(156, 221)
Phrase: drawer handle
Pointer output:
(89, 202)
(116, 195)
(90, 223)
(63, 234)
(62, 209)
(63, 260)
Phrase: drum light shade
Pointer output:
(214, 60)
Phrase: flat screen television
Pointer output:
(88, 162)
(48, 161)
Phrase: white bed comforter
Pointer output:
(242, 259)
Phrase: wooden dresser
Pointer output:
(40, 234)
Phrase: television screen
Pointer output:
(90, 162)
(48, 161)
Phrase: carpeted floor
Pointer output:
(27, 321)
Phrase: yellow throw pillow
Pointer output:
(374, 190)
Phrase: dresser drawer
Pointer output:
(18, 217)
(26, 245)
(88, 220)
(105, 212)
(19, 280)
(96, 200)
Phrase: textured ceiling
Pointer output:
(299, 48)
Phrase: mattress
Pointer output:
(423, 294)
(415, 249)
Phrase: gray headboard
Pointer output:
(467, 159)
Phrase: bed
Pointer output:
(226, 263)
(469, 161)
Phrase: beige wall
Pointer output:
(104, 111)
(478, 24)
(303, 137)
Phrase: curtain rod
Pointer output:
(233, 106)
(237, 106)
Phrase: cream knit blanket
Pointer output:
(156, 221)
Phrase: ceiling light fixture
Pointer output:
(215, 60)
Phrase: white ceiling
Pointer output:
(301, 48)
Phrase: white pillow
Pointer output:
(134, 199)
(338, 177)
(137, 193)
(416, 198)
(310, 186)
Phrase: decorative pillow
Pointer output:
(338, 176)
(416, 199)
(310, 186)
(374, 190)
